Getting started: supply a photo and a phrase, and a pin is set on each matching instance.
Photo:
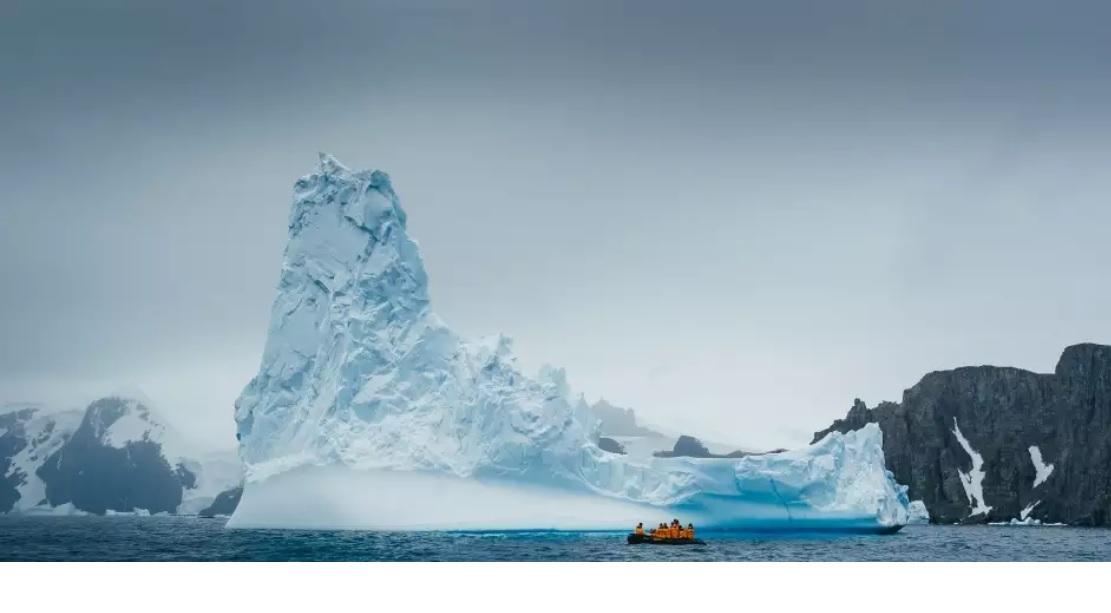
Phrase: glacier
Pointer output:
(369, 412)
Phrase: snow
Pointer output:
(132, 426)
(1043, 469)
(973, 481)
(362, 390)
(1026, 512)
(135, 421)
(44, 432)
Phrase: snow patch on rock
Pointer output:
(973, 481)
(1043, 470)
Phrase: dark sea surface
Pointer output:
(24, 538)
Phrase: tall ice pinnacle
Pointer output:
(358, 370)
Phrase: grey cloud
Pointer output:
(804, 201)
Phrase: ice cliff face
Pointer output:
(359, 373)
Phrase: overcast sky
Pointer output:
(733, 216)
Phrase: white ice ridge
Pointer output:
(367, 409)
(973, 481)
(1043, 469)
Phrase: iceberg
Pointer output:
(918, 513)
(369, 412)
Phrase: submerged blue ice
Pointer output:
(369, 412)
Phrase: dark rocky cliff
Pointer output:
(1019, 423)
(97, 477)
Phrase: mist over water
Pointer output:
(335, 497)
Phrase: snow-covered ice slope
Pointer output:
(369, 412)
(40, 432)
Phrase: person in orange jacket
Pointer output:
(640, 529)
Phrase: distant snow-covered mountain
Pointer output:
(115, 456)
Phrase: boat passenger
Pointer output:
(690, 531)
(640, 529)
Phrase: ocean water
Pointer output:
(193, 539)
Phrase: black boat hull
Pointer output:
(644, 539)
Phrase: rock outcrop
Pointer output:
(690, 447)
(986, 443)
(225, 503)
(610, 445)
